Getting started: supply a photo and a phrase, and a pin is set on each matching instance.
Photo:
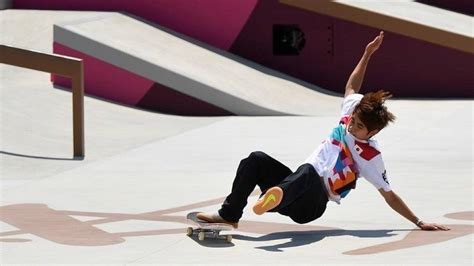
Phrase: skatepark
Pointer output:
(125, 201)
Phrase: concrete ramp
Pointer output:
(126, 59)
(405, 17)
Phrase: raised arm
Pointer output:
(357, 77)
(397, 204)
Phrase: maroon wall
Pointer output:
(405, 66)
(216, 22)
(109, 82)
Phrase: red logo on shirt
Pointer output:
(345, 120)
(366, 151)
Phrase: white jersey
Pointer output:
(341, 158)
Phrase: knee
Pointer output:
(304, 219)
(257, 155)
(252, 162)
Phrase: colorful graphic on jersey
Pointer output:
(344, 175)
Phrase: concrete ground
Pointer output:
(125, 203)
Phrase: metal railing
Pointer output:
(58, 65)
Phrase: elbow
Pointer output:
(390, 201)
(390, 197)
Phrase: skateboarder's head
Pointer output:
(370, 115)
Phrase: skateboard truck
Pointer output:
(207, 230)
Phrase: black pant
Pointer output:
(304, 198)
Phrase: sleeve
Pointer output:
(376, 174)
(349, 103)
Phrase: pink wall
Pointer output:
(107, 81)
(217, 22)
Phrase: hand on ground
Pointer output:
(433, 227)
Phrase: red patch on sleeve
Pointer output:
(345, 120)
(367, 152)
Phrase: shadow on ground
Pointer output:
(301, 238)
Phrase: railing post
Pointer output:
(78, 112)
(60, 65)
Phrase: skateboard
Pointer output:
(207, 230)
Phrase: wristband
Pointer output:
(419, 223)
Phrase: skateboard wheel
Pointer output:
(229, 238)
(201, 236)
(189, 231)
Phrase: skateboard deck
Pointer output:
(207, 230)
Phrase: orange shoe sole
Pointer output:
(270, 200)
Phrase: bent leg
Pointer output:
(257, 169)
(304, 197)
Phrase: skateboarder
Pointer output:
(330, 172)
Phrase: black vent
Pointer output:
(287, 40)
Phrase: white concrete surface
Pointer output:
(410, 10)
(124, 203)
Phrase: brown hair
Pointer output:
(372, 111)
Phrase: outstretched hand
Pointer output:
(432, 227)
(375, 44)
